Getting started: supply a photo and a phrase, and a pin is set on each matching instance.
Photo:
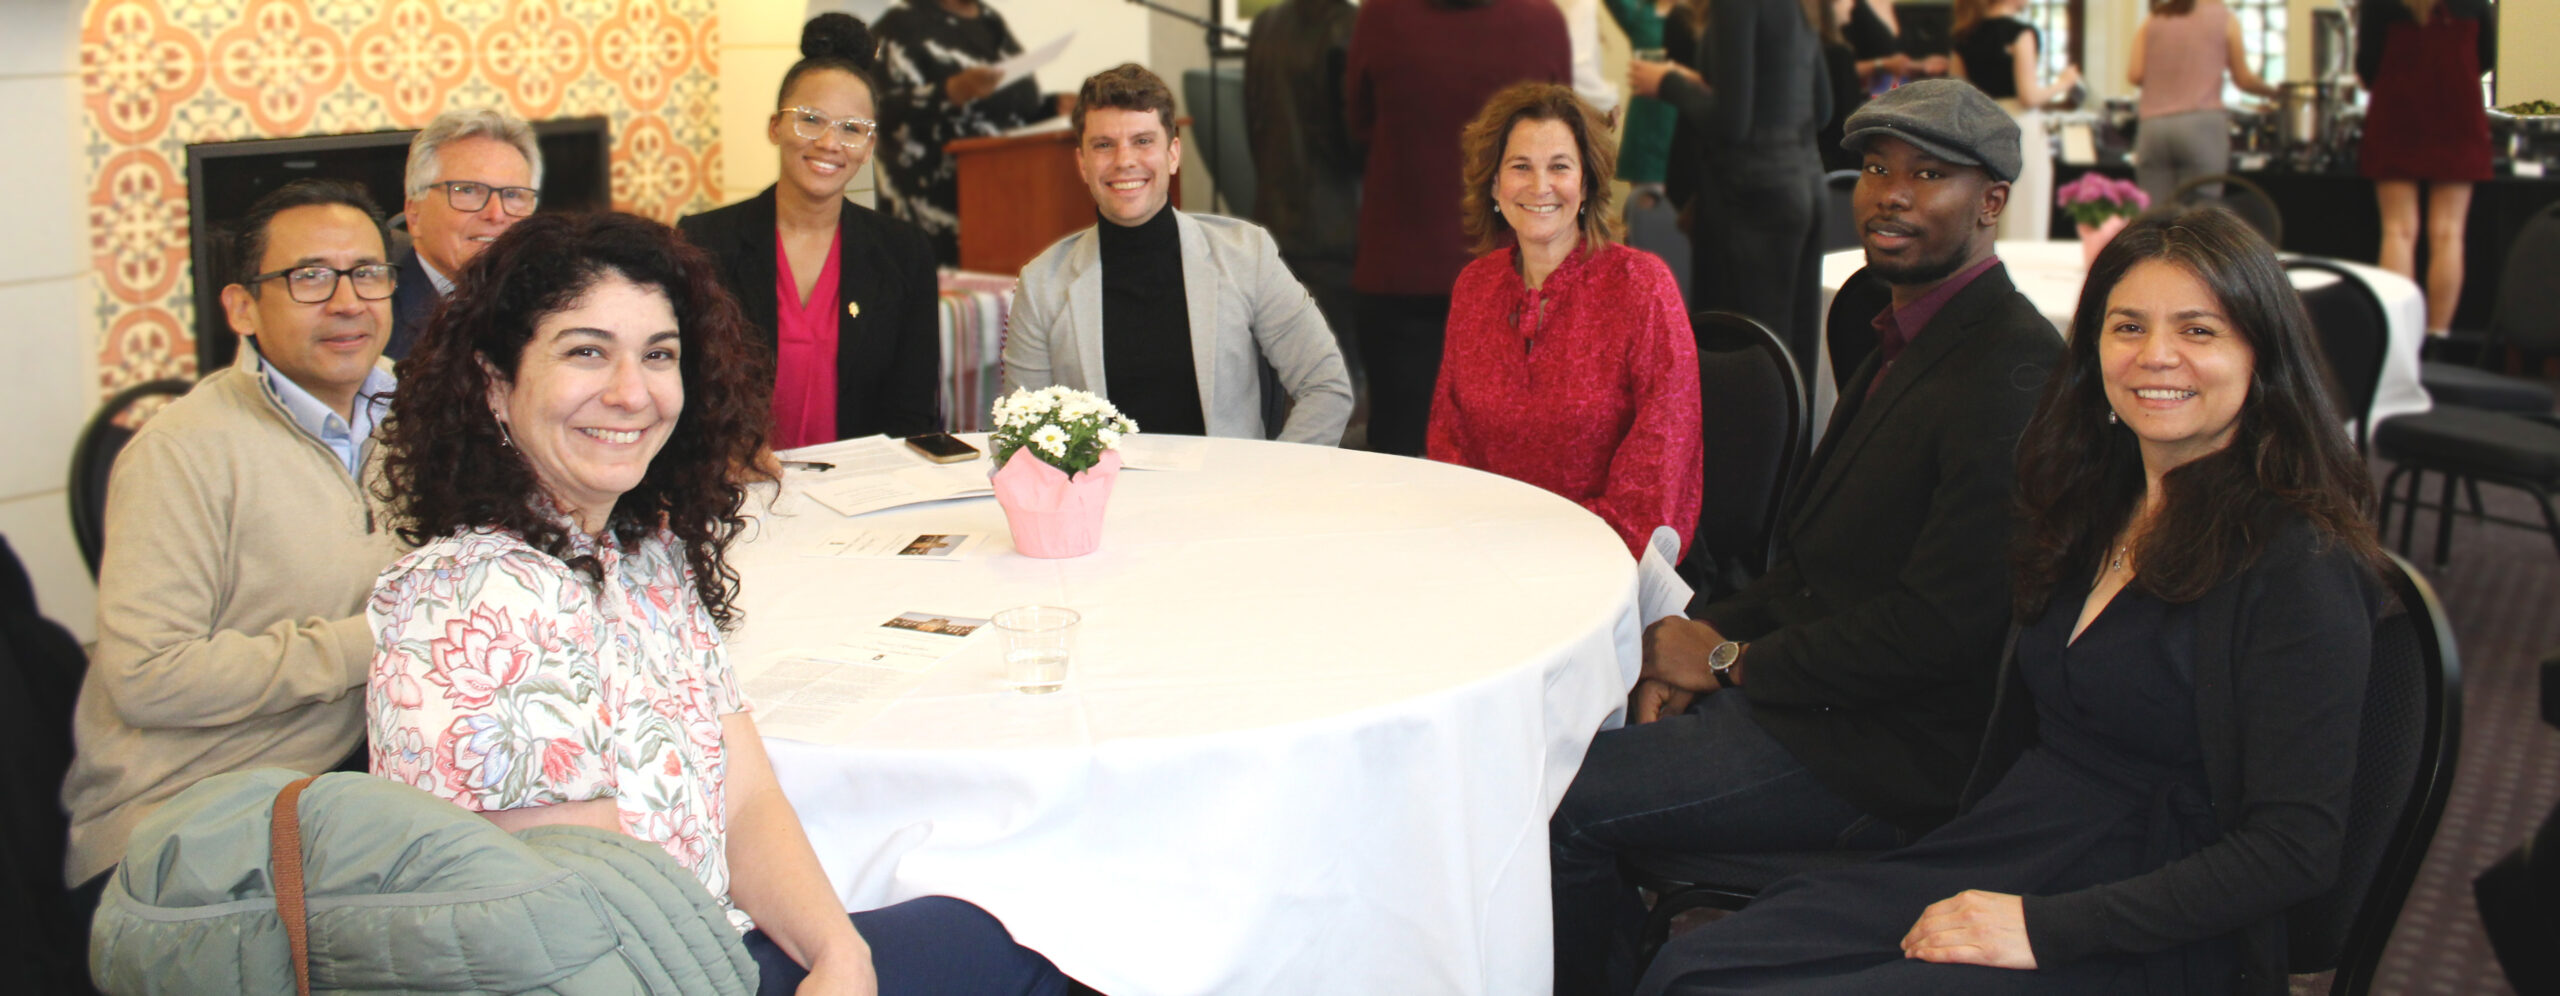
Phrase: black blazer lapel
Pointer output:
(751, 250)
(1948, 333)
(413, 301)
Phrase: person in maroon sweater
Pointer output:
(1419, 70)
(1570, 364)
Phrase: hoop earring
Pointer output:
(504, 439)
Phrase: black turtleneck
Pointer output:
(1146, 326)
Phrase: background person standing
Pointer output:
(1420, 69)
(2180, 58)
(941, 86)
(2422, 60)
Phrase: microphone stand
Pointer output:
(1212, 33)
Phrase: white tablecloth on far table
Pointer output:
(1323, 704)
(2050, 273)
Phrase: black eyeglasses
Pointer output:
(317, 284)
(467, 196)
(808, 123)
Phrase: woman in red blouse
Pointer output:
(1569, 363)
(846, 297)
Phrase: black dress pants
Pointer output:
(1400, 336)
(1755, 233)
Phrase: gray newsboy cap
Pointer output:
(1946, 118)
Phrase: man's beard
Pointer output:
(1922, 271)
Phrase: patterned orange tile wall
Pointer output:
(158, 75)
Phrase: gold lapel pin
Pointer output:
(853, 309)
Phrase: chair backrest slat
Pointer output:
(2411, 732)
(2354, 334)
(1753, 405)
(94, 457)
(2527, 313)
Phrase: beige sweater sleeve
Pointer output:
(166, 589)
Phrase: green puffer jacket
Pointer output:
(407, 893)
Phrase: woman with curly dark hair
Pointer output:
(563, 447)
(2175, 733)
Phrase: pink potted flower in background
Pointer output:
(2101, 205)
(1055, 467)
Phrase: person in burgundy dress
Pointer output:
(2426, 125)
(1569, 363)
(844, 296)
(1418, 69)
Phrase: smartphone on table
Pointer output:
(942, 447)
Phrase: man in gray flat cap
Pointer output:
(1836, 704)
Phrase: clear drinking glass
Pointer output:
(1038, 640)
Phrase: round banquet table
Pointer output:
(1321, 707)
(2049, 273)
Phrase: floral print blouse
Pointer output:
(504, 678)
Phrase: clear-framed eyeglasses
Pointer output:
(317, 284)
(810, 124)
(468, 196)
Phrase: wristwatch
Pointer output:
(1721, 660)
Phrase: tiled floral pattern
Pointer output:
(158, 75)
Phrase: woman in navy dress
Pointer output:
(2171, 753)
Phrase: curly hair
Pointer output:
(440, 421)
(1126, 87)
(1480, 149)
(2080, 478)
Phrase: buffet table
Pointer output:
(1321, 708)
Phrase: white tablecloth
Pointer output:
(1322, 706)
(2050, 273)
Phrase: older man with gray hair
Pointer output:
(472, 173)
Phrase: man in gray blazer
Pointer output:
(1183, 308)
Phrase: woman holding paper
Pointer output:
(844, 297)
(551, 653)
(943, 84)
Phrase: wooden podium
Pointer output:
(1018, 195)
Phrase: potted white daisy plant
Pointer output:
(1055, 466)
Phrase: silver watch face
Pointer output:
(1724, 655)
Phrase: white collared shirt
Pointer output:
(343, 436)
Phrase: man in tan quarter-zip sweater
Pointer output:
(242, 539)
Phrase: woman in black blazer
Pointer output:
(870, 350)
(2175, 733)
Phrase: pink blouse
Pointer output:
(1587, 387)
(804, 369)
(503, 678)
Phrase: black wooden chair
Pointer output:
(1755, 410)
(2405, 752)
(2239, 196)
(95, 455)
(2469, 447)
(2525, 319)
(2355, 336)
(1839, 212)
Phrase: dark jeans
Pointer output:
(1756, 235)
(934, 946)
(1709, 780)
(1400, 336)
